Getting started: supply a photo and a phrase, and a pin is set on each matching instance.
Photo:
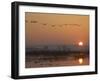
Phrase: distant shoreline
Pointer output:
(55, 52)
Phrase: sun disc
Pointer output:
(80, 43)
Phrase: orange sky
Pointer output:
(58, 29)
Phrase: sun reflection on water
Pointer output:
(80, 60)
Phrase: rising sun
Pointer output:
(80, 43)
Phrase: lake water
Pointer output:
(56, 60)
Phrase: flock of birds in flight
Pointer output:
(52, 25)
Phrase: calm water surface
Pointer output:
(50, 60)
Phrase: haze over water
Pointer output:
(58, 29)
